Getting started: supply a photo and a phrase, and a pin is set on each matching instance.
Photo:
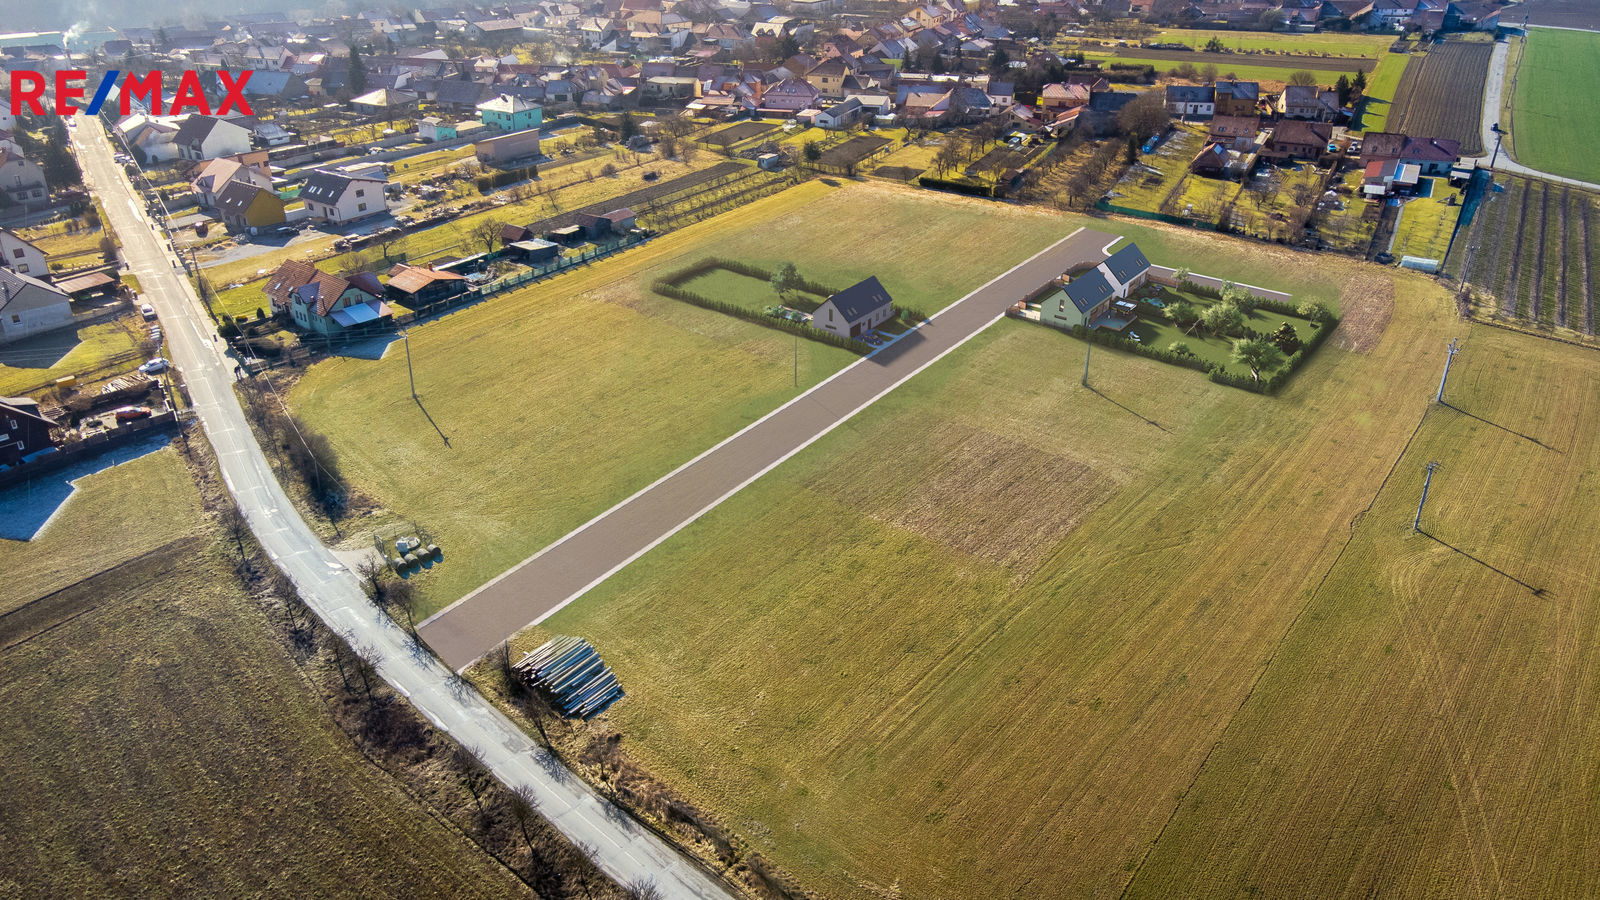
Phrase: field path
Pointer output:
(541, 585)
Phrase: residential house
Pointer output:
(385, 102)
(1235, 132)
(828, 77)
(1212, 161)
(20, 256)
(855, 310)
(1237, 98)
(1079, 302)
(324, 303)
(24, 430)
(208, 137)
(459, 97)
(433, 129)
(21, 177)
(790, 95)
(1055, 99)
(1432, 156)
(506, 113)
(1307, 101)
(219, 173)
(1125, 270)
(492, 30)
(1382, 178)
(153, 139)
(1190, 99)
(418, 286)
(244, 205)
(840, 115)
(1293, 139)
(29, 306)
(338, 197)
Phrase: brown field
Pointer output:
(1441, 95)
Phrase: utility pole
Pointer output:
(1498, 136)
(1416, 524)
(1452, 350)
(1088, 347)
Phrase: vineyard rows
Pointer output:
(1442, 95)
(1535, 249)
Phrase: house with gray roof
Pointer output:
(1125, 270)
(855, 310)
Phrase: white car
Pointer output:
(148, 311)
(155, 366)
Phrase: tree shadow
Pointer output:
(1526, 437)
(1536, 591)
(1146, 420)
(41, 352)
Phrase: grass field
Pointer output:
(1554, 128)
(602, 386)
(1371, 46)
(1247, 68)
(1428, 724)
(1161, 333)
(1373, 111)
(751, 293)
(991, 653)
(1441, 95)
(158, 739)
(1158, 191)
(1426, 223)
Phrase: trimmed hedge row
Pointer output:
(956, 187)
(668, 289)
(487, 183)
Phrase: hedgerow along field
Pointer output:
(1534, 252)
(979, 642)
(1553, 118)
(563, 398)
(1428, 726)
(160, 741)
(1441, 95)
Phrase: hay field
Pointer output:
(1553, 122)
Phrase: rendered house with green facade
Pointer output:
(506, 114)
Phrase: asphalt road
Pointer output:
(1493, 90)
(622, 848)
(567, 569)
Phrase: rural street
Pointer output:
(1494, 88)
(622, 848)
(564, 571)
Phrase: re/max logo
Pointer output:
(27, 90)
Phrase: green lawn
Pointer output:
(1160, 333)
(597, 386)
(159, 741)
(980, 642)
(1426, 223)
(1372, 113)
(1147, 190)
(1553, 122)
(31, 364)
(1244, 70)
(750, 293)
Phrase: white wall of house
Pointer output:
(33, 311)
(827, 318)
(359, 200)
(18, 255)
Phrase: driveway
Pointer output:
(573, 565)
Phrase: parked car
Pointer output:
(133, 413)
(148, 311)
(155, 366)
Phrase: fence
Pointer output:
(89, 446)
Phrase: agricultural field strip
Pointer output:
(562, 572)
(1221, 60)
(1442, 95)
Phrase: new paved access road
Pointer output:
(573, 565)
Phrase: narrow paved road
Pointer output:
(619, 846)
(566, 570)
(1494, 89)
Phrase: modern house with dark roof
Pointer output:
(855, 310)
(1191, 99)
(1126, 270)
(337, 197)
(208, 137)
(1079, 302)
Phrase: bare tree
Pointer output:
(235, 526)
(641, 889)
(469, 762)
(488, 231)
(524, 810)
